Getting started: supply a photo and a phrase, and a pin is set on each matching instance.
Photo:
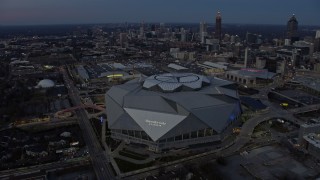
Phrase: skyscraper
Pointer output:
(123, 40)
(203, 31)
(317, 34)
(141, 30)
(292, 27)
(317, 41)
(218, 26)
(203, 27)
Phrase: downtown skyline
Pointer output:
(34, 12)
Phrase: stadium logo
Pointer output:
(155, 123)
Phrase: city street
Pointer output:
(98, 156)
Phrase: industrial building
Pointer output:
(172, 110)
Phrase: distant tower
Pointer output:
(183, 35)
(246, 58)
(218, 26)
(203, 27)
(317, 41)
(123, 39)
(142, 30)
(203, 31)
(162, 27)
(317, 34)
(292, 27)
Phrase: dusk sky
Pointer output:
(25, 12)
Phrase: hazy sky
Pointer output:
(22, 12)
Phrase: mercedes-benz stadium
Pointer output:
(172, 110)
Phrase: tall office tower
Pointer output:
(251, 38)
(153, 27)
(317, 42)
(292, 27)
(203, 27)
(218, 26)
(317, 34)
(142, 30)
(123, 39)
(162, 27)
(246, 58)
(203, 31)
(183, 35)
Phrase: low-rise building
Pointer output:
(312, 144)
(249, 76)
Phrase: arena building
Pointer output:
(172, 110)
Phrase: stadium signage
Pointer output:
(155, 123)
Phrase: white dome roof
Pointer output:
(172, 82)
(46, 83)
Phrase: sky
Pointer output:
(37, 12)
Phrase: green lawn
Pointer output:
(126, 166)
(171, 158)
(279, 127)
(133, 155)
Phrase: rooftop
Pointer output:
(256, 73)
(309, 81)
(172, 82)
(313, 139)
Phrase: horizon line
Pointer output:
(104, 23)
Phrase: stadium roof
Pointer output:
(171, 82)
(135, 105)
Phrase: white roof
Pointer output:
(171, 82)
(176, 66)
(215, 65)
(172, 111)
(118, 66)
(45, 83)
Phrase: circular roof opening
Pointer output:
(172, 82)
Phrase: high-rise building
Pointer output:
(317, 34)
(317, 42)
(203, 27)
(251, 38)
(183, 35)
(141, 30)
(292, 27)
(153, 27)
(203, 31)
(162, 27)
(123, 39)
(218, 26)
